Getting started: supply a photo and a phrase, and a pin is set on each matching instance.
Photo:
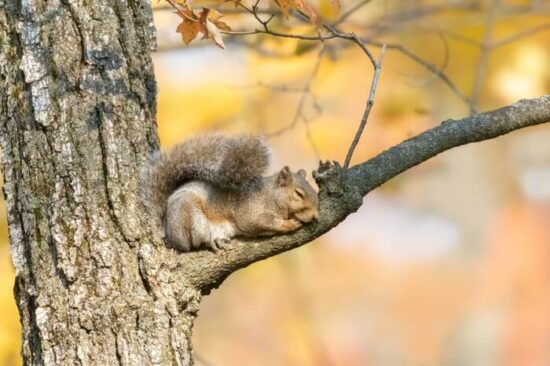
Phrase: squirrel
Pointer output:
(211, 188)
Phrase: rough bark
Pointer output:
(94, 284)
(77, 102)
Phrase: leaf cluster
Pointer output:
(207, 23)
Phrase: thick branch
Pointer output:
(449, 134)
(341, 190)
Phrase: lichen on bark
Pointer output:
(77, 122)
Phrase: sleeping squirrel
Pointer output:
(210, 188)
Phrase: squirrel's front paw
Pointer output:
(291, 225)
(326, 168)
(219, 244)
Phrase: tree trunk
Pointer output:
(94, 282)
(77, 121)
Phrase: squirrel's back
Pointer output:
(229, 162)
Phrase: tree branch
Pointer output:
(366, 113)
(341, 190)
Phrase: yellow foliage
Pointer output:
(10, 329)
(355, 286)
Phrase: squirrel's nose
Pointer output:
(316, 216)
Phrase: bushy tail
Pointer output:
(230, 162)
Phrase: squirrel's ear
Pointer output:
(285, 176)
(302, 173)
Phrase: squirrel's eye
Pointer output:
(299, 193)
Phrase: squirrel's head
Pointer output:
(298, 195)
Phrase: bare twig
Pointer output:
(306, 91)
(255, 12)
(399, 18)
(310, 138)
(430, 29)
(279, 88)
(335, 33)
(179, 10)
(303, 37)
(362, 42)
(520, 35)
(345, 15)
(429, 66)
(370, 103)
(462, 38)
(444, 64)
(226, 10)
(483, 57)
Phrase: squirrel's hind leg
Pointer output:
(200, 231)
(179, 224)
(221, 232)
(177, 234)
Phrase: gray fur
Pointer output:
(210, 189)
(229, 162)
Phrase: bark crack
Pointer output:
(107, 175)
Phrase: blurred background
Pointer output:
(447, 264)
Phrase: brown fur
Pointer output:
(210, 188)
(230, 162)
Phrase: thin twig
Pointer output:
(483, 57)
(254, 11)
(361, 43)
(520, 35)
(308, 130)
(311, 142)
(350, 12)
(402, 49)
(279, 34)
(226, 10)
(306, 91)
(370, 103)
(444, 64)
(430, 29)
(179, 11)
(335, 33)
(429, 66)
(279, 88)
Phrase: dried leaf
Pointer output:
(214, 16)
(204, 15)
(301, 5)
(309, 11)
(285, 6)
(215, 33)
(188, 30)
